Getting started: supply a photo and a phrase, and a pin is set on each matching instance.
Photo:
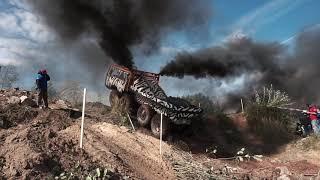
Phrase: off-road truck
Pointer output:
(140, 94)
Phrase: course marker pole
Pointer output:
(131, 122)
(161, 134)
(242, 106)
(82, 119)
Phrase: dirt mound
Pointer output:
(132, 154)
(15, 114)
(41, 144)
(31, 146)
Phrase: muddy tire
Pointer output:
(113, 97)
(155, 126)
(127, 103)
(144, 115)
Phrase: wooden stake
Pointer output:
(161, 134)
(83, 112)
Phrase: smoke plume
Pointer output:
(121, 24)
(296, 72)
(233, 59)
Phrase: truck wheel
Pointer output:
(144, 115)
(113, 97)
(155, 125)
(126, 102)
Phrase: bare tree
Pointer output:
(8, 76)
(72, 92)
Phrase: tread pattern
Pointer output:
(149, 92)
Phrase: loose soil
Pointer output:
(39, 144)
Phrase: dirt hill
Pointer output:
(37, 144)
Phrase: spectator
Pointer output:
(42, 87)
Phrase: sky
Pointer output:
(262, 20)
(24, 38)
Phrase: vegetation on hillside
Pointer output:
(268, 121)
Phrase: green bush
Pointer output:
(272, 124)
(270, 97)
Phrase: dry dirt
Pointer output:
(40, 144)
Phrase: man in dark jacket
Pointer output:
(42, 87)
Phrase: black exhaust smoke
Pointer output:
(233, 59)
(120, 24)
(297, 72)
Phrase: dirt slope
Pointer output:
(40, 144)
(134, 154)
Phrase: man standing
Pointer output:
(313, 116)
(42, 87)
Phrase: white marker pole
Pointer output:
(242, 106)
(161, 134)
(82, 120)
(131, 122)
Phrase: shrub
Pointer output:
(270, 97)
(266, 120)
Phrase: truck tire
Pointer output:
(113, 97)
(144, 115)
(126, 103)
(155, 126)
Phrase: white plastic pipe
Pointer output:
(131, 122)
(161, 134)
(83, 112)
(242, 106)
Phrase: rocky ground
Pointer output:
(39, 144)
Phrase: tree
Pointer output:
(8, 76)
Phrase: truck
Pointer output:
(141, 96)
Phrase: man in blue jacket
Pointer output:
(42, 87)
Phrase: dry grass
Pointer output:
(187, 168)
(310, 143)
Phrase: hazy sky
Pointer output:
(24, 38)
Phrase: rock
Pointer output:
(23, 98)
(62, 104)
(14, 100)
(283, 173)
(28, 101)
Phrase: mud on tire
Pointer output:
(144, 115)
(126, 104)
(113, 97)
(155, 126)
